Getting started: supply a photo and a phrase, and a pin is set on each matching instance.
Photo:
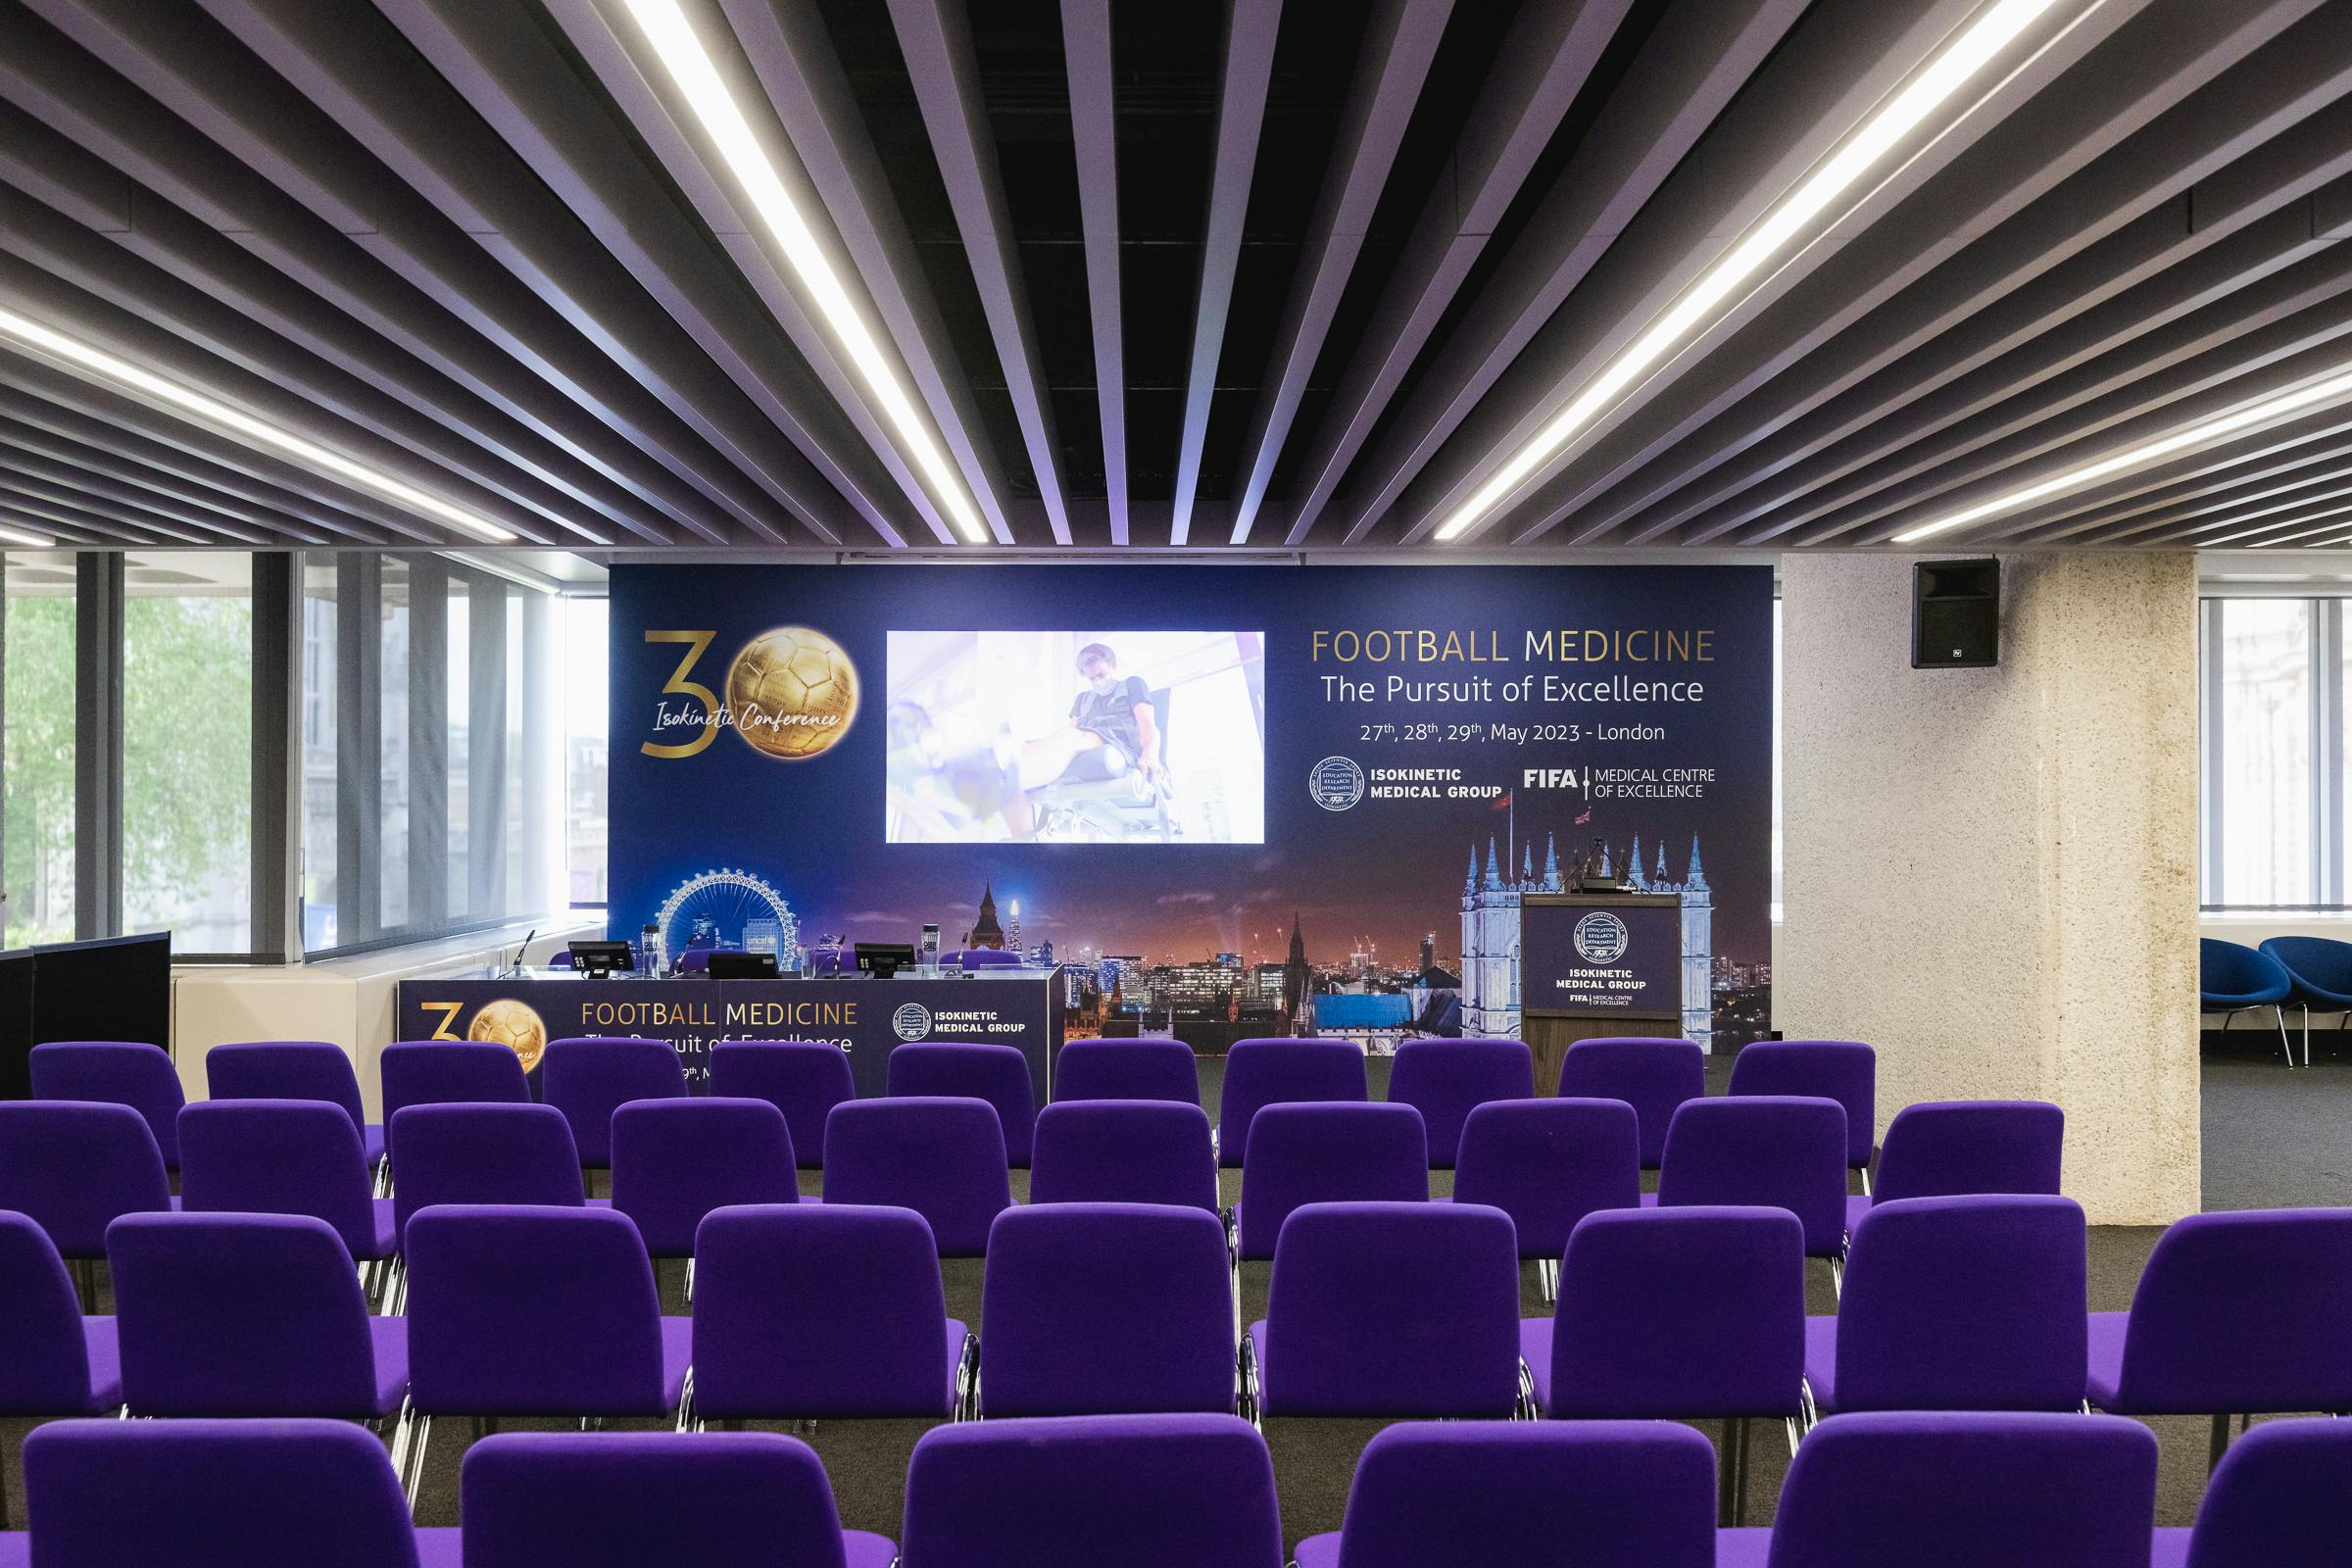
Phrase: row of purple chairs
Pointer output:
(1928, 1491)
(143, 1077)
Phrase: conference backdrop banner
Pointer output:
(1164, 770)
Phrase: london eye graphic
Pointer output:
(729, 909)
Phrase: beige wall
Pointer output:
(1990, 874)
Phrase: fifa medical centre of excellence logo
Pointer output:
(791, 693)
(1600, 938)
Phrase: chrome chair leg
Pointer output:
(2285, 1045)
(2220, 1444)
(1731, 1471)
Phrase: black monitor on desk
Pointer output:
(882, 959)
(726, 965)
(596, 960)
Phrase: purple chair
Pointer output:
(283, 1156)
(293, 1069)
(1547, 1163)
(1762, 1150)
(811, 1310)
(2235, 1313)
(1123, 1151)
(1653, 1076)
(1098, 1308)
(72, 1169)
(53, 1360)
(1843, 1070)
(1445, 1080)
(1938, 1488)
(589, 1079)
(694, 960)
(1264, 1072)
(633, 1499)
(221, 1495)
(1312, 1152)
(468, 1153)
(449, 1072)
(1127, 1069)
(597, 1343)
(942, 1157)
(2275, 1502)
(987, 959)
(1140, 1490)
(1678, 1314)
(805, 1079)
(1526, 1492)
(249, 1315)
(1957, 1147)
(675, 1160)
(1390, 1309)
(1957, 1303)
(120, 1072)
(997, 1074)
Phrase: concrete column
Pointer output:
(1990, 874)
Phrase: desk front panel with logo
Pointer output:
(1594, 964)
(865, 1017)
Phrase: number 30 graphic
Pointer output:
(696, 642)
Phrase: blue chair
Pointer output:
(2319, 974)
(2233, 979)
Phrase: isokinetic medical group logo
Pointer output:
(1600, 938)
(1336, 783)
(912, 1021)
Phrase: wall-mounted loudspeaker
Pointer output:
(1955, 615)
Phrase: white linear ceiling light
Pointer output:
(1959, 62)
(705, 93)
(309, 454)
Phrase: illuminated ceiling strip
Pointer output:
(706, 94)
(1944, 76)
(310, 453)
(2334, 386)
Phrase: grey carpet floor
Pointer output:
(2271, 1139)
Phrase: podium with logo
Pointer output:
(1594, 964)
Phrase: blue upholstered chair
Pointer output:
(2318, 973)
(2232, 979)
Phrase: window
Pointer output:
(37, 823)
(2274, 687)
(586, 654)
(320, 653)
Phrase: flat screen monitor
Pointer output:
(594, 959)
(743, 966)
(882, 959)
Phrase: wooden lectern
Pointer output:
(1596, 964)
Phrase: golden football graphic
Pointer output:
(793, 692)
(514, 1025)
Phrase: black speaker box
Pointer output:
(1955, 615)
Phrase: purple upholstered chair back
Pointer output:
(1762, 1150)
(278, 1157)
(1952, 1148)
(1547, 1163)
(285, 1069)
(805, 1079)
(517, 1311)
(449, 1072)
(1965, 1303)
(215, 1494)
(1653, 1076)
(1096, 1309)
(1680, 1315)
(1397, 1309)
(2187, 1345)
(73, 1168)
(1940, 1489)
(588, 1080)
(942, 1157)
(1265, 1072)
(988, 959)
(121, 1072)
(813, 1311)
(1317, 1153)
(1843, 1070)
(1447, 1079)
(695, 961)
(675, 1160)
(1127, 1069)
(1123, 1151)
(2277, 1501)
(468, 1153)
(1141, 1490)
(997, 1074)
(1529, 1492)
(634, 1499)
(45, 1362)
(240, 1315)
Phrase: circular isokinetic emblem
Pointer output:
(793, 692)
(1600, 938)
(1336, 783)
(513, 1024)
(912, 1021)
